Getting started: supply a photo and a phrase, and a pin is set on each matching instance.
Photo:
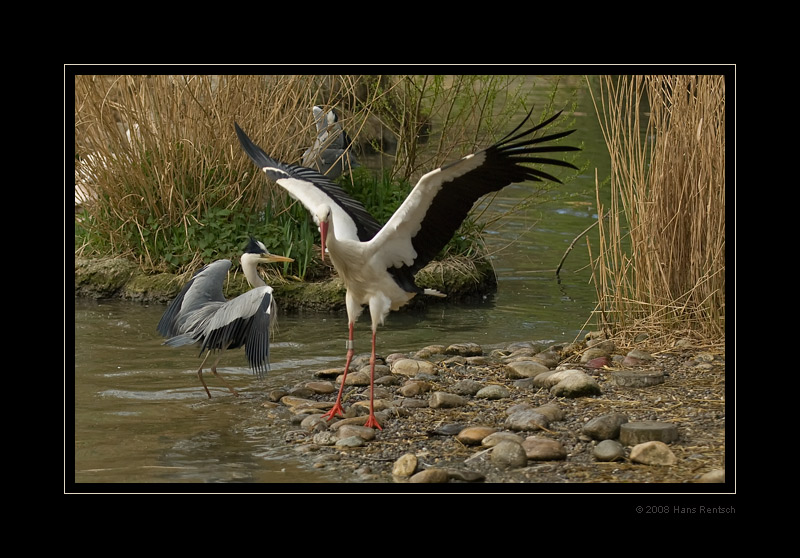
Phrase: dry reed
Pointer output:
(159, 151)
(660, 264)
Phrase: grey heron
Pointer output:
(331, 153)
(377, 263)
(200, 314)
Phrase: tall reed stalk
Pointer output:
(660, 263)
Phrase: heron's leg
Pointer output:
(337, 407)
(372, 422)
(200, 373)
(214, 370)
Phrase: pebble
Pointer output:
(599, 362)
(525, 369)
(493, 391)
(466, 387)
(359, 378)
(331, 373)
(314, 422)
(593, 353)
(378, 404)
(632, 361)
(292, 401)
(639, 354)
(549, 358)
(432, 475)
(405, 466)
(474, 435)
(413, 367)
(508, 454)
(552, 411)
(429, 351)
(351, 442)
(653, 453)
(574, 383)
(609, 450)
(605, 427)
(413, 388)
(637, 378)
(411, 403)
(633, 433)
(496, 437)
(325, 438)
(477, 360)
(277, 394)
(464, 349)
(362, 432)
(465, 476)
(321, 387)
(527, 419)
(444, 400)
(543, 449)
(717, 475)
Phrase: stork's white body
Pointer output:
(377, 263)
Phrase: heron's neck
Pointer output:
(250, 268)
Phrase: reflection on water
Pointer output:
(141, 414)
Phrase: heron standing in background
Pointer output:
(331, 152)
(377, 263)
(201, 314)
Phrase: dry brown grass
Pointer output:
(660, 264)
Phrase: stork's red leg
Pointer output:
(337, 407)
(372, 422)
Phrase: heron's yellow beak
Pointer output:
(272, 258)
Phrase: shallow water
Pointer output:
(142, 416)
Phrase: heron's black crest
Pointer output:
(255, 247)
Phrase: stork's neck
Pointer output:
(250, 268)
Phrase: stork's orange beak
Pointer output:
(323, 233)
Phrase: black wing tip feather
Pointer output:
(517, 145)
(258, 156)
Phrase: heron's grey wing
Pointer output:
(203, 288)
(256, 347)
(243, 320)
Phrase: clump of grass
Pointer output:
(660, 264)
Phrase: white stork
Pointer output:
(200, 313)
(377, 264)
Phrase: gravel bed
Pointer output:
(459, 417)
